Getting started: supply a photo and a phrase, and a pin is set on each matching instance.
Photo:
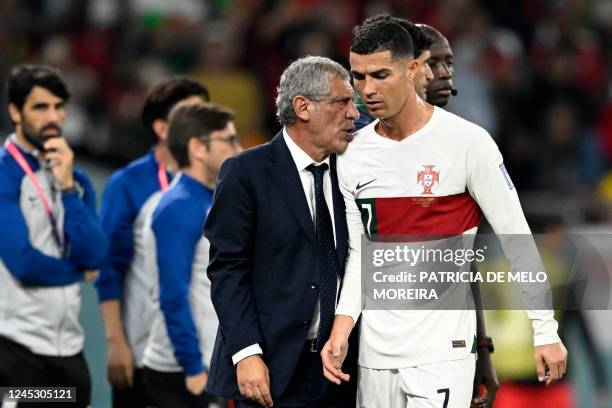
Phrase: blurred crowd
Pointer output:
(534, 73)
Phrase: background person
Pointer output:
(49, 240)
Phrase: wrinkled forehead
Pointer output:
(340, 88)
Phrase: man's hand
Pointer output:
(553, 356)
(91, 275)
(254, 380)
(120, 364)
(335, 349)
(61, 157)
(485, 376)
(196, 383)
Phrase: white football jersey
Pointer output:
(439, 180)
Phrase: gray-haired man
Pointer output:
(278, 235)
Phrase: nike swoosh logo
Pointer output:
(364, 184)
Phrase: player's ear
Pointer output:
(14, 113)
(301, 107)
(413, 66)
(160, 127)
(197, 149)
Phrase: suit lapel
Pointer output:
(285, 175)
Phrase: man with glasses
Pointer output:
(177, 353)
(123, 282)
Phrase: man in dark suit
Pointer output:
(278, 243)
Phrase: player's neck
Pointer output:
(197, 171)
(163, 156)
(413, 116)
(22, 141)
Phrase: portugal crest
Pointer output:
(427, 178)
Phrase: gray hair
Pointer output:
(309, 77)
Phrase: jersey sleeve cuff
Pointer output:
(71, 199)
(545, 332)
(351, 311)
(194, 368)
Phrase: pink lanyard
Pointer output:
(162, 176)
(25, 166)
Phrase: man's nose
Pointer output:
(428, 72)
(445, 71)
(369, 87)
(352, 113)
(54, 115)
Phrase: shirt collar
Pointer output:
(35, 154)
(193, 185)
(300, 157)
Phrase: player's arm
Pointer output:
(350, 303)
(26, 263)
(120, 364)
(176, 234)
(117, 218)
(485, 374)
(491, 187)
(86, 240)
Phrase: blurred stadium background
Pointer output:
(534, 73)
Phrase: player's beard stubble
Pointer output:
(38, 138)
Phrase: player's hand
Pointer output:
(61, 157)
(196, 383)
(333, 355)
(254, 380)
(335, 349)
(120, 364)
(90, 275)
(486, 377)
(553, 357)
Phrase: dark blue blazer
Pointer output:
(264, 262)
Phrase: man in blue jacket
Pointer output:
(278, 241)
(124, 282)
(49, 241)
(177, 355)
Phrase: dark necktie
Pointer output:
(327, 256)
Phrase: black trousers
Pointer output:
(308, 388)
(134, 396)
(19, 367)
(167, 390)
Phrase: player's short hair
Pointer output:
(310, 77)
(189, 120)
(382, 33)
(420, 38)
(164, 95)
(23, 78)
(433, 33)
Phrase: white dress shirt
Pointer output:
(302, 160)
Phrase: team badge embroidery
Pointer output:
(427, 178)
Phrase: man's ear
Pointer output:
(15, 114)
(413, 66)
(196, 149)
(160, 127)
(301, 106)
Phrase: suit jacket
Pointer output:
(264, 262)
